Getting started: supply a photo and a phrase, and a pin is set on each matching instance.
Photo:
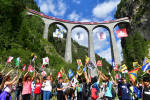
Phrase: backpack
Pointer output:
(94, 93)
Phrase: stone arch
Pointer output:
(59, 24)
(122, 23)
(81, 27)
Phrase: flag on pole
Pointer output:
(79, 62)
(58, 33)
(99, 63)
(33, 57)
(122, 33)
(101, 36)
(10, 58)
(146, 67)
(17, 60)
(79, 36)
(24, 68)
(133, 74)
(80, 71)
(58, 75)
(123, 68)
(43, 73)
(146, 60)
(45, 61)
(30, 68)
(42, 66)
(115, 68)
(70, 73)
(74, 81)
(87, 59)
(135, 64)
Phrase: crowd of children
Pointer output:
(100, 87)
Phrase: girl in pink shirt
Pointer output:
(26, 91)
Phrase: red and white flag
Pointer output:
(45, 61)
(24, 68)
(99, 63)
(115, 67)
(102, 36)
(42, 66)
(122, 33)
(10, 59)
(43, 73)
(116, 76)
(30, 68)
(58, 74)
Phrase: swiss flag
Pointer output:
(122, 33)
(115, 67)
(99, 63)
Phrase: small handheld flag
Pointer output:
(17, 60)
(115, 68)
(24, 67)
(58, 75)
(87, 59)
(146, 67)
(102, 36)
(30, 68)
(10, 59)
(133, 74)
(45, 61)
(70, 73)
(79, 62)
(99, 63)
(146, 60)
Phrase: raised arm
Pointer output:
(24, 77)
(11, 82)
(9, 72)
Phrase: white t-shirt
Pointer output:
(8, 88)
(47, 86)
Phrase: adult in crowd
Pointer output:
(59, 89)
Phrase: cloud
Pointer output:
(85, 20)
(57, 9)
(106, 8)
(76, 1)
(106, 54)
(74, 16)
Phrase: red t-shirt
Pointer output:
(37, 88)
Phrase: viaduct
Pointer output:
(89, 27)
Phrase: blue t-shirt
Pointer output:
(108, 89)
(125, 92)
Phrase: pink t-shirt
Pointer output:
(26, 88)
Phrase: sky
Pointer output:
(86, 11)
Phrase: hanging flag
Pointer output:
(58, 75)
(101, 36)
(99, 63)
(115, 68)
(43, 73)
(123, 68)
(146, 60)
(135, 64)
(146, 67)
(10, 58)
(30, 68)
(17, 60)
(87, 59)
(79, 36)
(24, 68)
(122, 33)
(90, 65)
(133, 74)
(79, 62)
(45, 61)
(42, 66)
(70, 73)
